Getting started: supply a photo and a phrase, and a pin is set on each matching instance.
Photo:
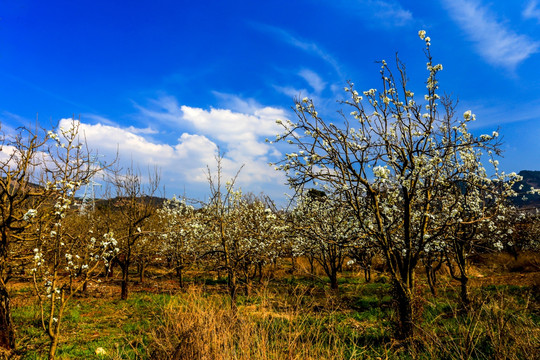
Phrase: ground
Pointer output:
(291, 317)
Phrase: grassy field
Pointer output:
(289, 317)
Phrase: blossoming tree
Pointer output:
(239, 235)
(65, 253)
(20, 198)
(392, 160)
(327, 229)
(178, 242)
(133, 206)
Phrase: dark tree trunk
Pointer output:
(403, 298)
(464, 294)
(142, 270)
(431, 273)
(293, 264)
(125, 278)
(432, 287)
(233, 287)
(260, 271)
(333, 280)
(7, 334)
(180, 276)
(367, 273)
(431, 279)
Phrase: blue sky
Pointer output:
(168, 82)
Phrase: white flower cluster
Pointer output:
(381, 172)
(29, 215)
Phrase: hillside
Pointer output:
(530, 179)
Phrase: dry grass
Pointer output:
(494, 328)
(197, 326)
(292, 317)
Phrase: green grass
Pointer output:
(299, 315)
(91, 323)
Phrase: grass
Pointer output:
(294, 317)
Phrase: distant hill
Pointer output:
(153, 200)
(530, 179)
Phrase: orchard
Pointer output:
(401, 241)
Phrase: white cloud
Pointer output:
(165, 110)
(307, 46)
(107, 139)
(242, 137)
(6, 118)
(313, 79)
(147, 130)
(292, 91)
(239, 136)
(99, 119)
(7, 156)
(531, 11)
(387, 13)
(231, 127)
(180, 164)
(496, 43)
(237, 104)
(315, 90)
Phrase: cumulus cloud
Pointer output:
(108, 139)
(238, 136)
(241, 135)
(497, 44)
(7, 156)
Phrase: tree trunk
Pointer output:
(260, 271)
(53, 347)
(403, 298)
(109, 270)
(248, 287)
(233, 287)
(125, 278)
(430, 276)
(333, 279)
(464, 293)
(180, 276)
(85, 287)
(142, 270)
(367, 273)
(7, 334)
